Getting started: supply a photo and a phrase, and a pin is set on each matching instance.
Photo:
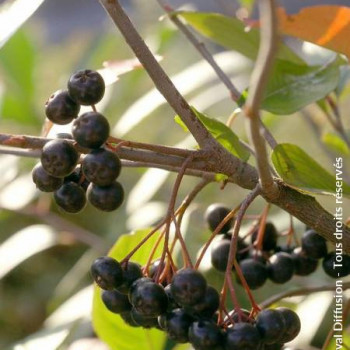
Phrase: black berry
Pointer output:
(107, 273)
(44, 181)
(303, 264)
(70, 197)
(313, 244)
(101, 167)
(91, 130)
(107, 198)
(214, 214)
(176, 323)
(271, 325)
(292, 322)
(280, 267)
(61, 109)
(149, 299)
(270, 237)
(336, 265)
(144, 321)
(188, 287)
(242, 336)
(59, 158)
(131, 272)
(254, 272)
(207, 306)
(206, 335)
(86, 87)
(115, 301)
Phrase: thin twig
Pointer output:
(232, 261)
(261, 71)
(299, 292)
(156, 72)
(235, 94)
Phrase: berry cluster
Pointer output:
(272, 261)
(58, 171)
(187, 309)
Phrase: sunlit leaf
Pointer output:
(324, 25)
(335, 143)
(292, 86)
(109, 326)
(222, 133)
(23, 244)
(13, 14)
(231, 33)
(300, 170)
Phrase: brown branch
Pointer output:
(298, 292)
(261, 71)
(303, 207)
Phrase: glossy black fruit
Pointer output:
(107, 198)
(188, 287)
(254, 272)
(207, 306)
(78, 177)
(44, 181)
(60, 108)
(91, 130)
(206, 335)
(313, 244)
(172, 304)
(242, 336)
(107, 273)
(101, 167)
(59, 158)
(271, 325)
(176, 324)
(115, 301)
(128, 319)
(144, 321)
(86, 87)
(131, 272)
(214, 214)
(336, 265)
(292, 322)
(303, 264)
(70, 197)
(220, 252)
(149, 299)
(280, 267)
(270, 237)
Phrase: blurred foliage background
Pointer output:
(45, 254)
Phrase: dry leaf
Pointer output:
(327, 26)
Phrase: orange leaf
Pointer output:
(327, 26)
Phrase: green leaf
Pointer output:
(335, 143)
(109, 326)
(222, 133)
(231, 33)
(293, 86)
(300, 170)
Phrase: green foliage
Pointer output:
(110, 327)
(231, 33)
(335, 143)
(17, 61)
(294, 86)
(222, 133)
(300, 170)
